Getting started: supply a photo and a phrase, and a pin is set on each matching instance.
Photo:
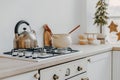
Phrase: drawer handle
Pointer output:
(79, 68)
(89, 60)
(55, 77)
(84, 78)
(67, 72)
(37, 76)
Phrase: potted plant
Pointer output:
(100, 18)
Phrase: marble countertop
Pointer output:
(10, 67)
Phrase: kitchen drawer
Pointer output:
(50, 73)
(65, 70)
(75, 67)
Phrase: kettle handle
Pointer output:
(19, 23)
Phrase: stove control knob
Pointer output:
(67, 72)
(37, 76)
(55, 77)
(21, 54)
(28, 54)
(34, 55)
(79, 68)
(14, 53)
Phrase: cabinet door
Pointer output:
(99, 67)
(26, 76)
(116, 65)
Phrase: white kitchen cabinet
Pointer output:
(67, 71)
(116, 65)
(99, 67)
(26, 76)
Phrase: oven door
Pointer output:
(78, 77)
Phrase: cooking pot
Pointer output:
(61, 40)
(25, 39)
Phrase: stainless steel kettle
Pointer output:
(25, 39)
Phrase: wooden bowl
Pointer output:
(83, 42)
(90, 40)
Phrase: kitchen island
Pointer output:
(11, 67)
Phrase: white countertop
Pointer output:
(10, 67)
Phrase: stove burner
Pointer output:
(40, 53)
(59, 50)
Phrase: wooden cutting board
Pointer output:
(47, 36)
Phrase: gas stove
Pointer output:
(36, 54)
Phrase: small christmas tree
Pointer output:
(101, 15)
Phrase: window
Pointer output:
(114, 3)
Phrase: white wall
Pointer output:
(60, 15)
(91, 9)
(90, 15)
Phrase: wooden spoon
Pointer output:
(74, 29)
